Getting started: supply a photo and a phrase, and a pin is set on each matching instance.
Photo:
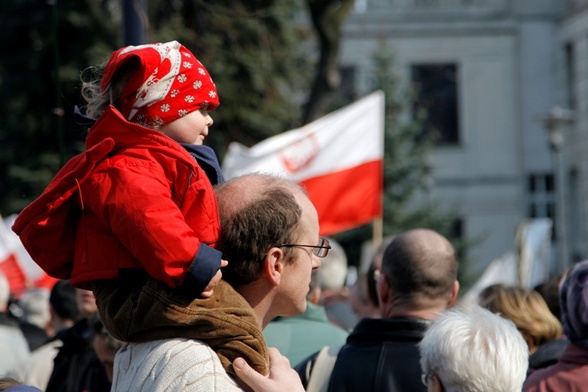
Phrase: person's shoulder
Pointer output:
(12, 336)
(45, 353)
(180, 364)
(304, 368)
(538, 379)
(533, 381)
(167, 349)
(321, 362)
(547, 354)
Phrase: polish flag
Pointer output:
(17, 265)
(337, 158)
(9, 266)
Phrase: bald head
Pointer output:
(240, 192)
(420, 265)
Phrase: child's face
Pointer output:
(190, 129)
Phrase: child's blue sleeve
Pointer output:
(205, 265)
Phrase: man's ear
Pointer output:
(437, 386)
(453, 295)
(383, 288)
(274, 265)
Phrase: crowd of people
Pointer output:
(172, 278)
(423, 338)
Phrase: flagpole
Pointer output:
(377, 230)
(378, 222)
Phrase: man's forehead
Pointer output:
(309, 220)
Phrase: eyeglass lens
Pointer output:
(322, 249)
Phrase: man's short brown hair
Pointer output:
(254, 223)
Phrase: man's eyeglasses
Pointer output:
(320, 250)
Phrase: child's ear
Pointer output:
(274, 265)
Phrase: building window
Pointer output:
(435, 96)
(576, 215)
(346, 92)
(570, 74)
(541, 196)
(456, 232)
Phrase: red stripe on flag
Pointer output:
(46, 282)
(15, 275)
(348, 198)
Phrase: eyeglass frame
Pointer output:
(318, 250)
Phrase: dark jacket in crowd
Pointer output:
(547, 354)
(35, 336)
(76, 366)
(381, 355)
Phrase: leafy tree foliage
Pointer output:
(37, 39)
(253, 52)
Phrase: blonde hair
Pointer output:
(97, 101)
(527, 310)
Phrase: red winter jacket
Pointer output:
(134, 200)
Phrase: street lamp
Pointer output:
(555, 123)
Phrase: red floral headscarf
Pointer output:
(169, 83)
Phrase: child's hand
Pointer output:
(209, 290)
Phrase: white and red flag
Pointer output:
(19, 268)
(9, 263)
(337, 158)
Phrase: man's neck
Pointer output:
(259, 300)
(425, 313)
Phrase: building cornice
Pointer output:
(429, 29)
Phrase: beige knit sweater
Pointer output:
(170, 365)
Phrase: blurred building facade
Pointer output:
(489, 71)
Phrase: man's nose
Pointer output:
(316, 262)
